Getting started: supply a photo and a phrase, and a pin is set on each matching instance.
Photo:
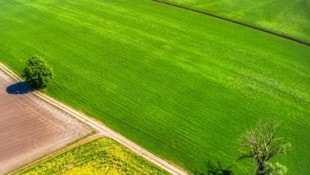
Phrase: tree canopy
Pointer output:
(37, 72)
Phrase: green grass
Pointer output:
(102, 156)
(289, 17)
(183, 85)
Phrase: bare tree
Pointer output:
(261, 144)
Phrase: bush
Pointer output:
(275, 169)
(37, 73)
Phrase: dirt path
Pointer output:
(104, 130)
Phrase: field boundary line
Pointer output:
(56, 153)
(101, 128)
(235, 22)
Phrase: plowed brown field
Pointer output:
(31, 128)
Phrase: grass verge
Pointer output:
(287, 18)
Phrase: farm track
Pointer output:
(235, 22)
(104, 130)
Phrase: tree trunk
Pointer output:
(260, 168)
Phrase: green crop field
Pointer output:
(289, 17)
(181, 84)
(102, 156)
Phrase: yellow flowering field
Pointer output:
(101, 156)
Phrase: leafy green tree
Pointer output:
(261, 144)
(37, 73)
(275, 169)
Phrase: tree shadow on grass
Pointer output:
(19, 88)
(215, 167)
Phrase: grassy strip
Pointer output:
(289, 19)
(236, 22)
(102, 156)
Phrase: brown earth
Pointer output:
(31, 128)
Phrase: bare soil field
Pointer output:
(31, 128)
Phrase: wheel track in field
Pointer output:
(252, 26)
(102, 129)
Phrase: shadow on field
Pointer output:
(19, 88)
(215, 167)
